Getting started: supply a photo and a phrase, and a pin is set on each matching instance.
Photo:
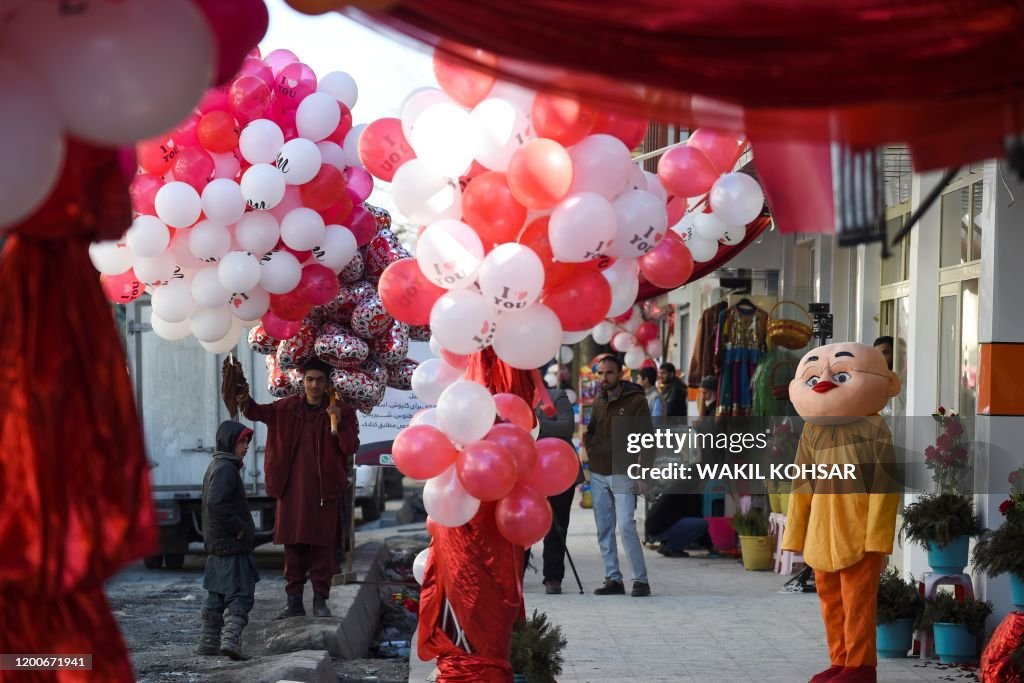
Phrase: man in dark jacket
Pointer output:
(228, 531)
(677, 520)
(614, 492)
(673, 389)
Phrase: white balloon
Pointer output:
(222, 201)
(211, 324)
(351, 146)
(566, 355)
(181, 251)
(463, 321)
(281, 272)
(292, 200)
(262, 186)
(207, 290)
(317, 116)
(504, 128)
(655, 187)
(154, 271)
(447, 502)
(424, 196)
(209, 241)
(527, 338)
(228, 343)
(601, 164)
(170, 331)
(332, 153)
(445, 138)
(623, 276)
(250, 305)
(178, 204)
(635, 357)
(685, 226)
(449, 253)
(708, 226)
(226, 166)
(239, 271)
(636, 318)
(642, 221)
(637, 178)
(30, 135)
(111, 258)
(415, 103)
(337, 248)
(427, 416)
(302, 229)
(430, 378)
(512, 277)
(298, 161)
(435, 346)
(702, 249)
(736, 198)
(257, 232)
(654, 348)
(516, 95)
(603, 332)
(582, 227)
(733, 235)
(260, 141)
(419, 565)
(173, 302)
(466, 411)
(147, 236)
(574, 337)
(623, 341)
(341, 86)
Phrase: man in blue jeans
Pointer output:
(677, 520)
(614, 494)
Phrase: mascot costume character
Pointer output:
(845, 527)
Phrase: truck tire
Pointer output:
(176, 561)
(153, 561)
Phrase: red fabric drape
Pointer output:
(76, 502)
(944, 76)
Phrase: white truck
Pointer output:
(177, 389)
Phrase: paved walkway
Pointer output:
(707, 620)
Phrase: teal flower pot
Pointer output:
(954, 644)
(519, 678)
(949, 560)
(895, 639)
(1017, 591)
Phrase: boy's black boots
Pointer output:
(294, 608)
(209, 637)
(320, 608)
(231, 640)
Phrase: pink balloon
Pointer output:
(363, 225)
(686, 171)
(293, 84)
(486, 470)
(422, 452)
(194, 166)
(721, 147)
(318, 284)
(512, 408)
(187, 133)
(359, 183)
(143, 192)
(279, 59)
(523, 516)
(123, 288)
(518, 442)
(249, 98)
(278, 328)
(215, 99)
(675, 208)
(258, 68)
(556, 469)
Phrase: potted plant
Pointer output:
(956, 626)
(536, 655)
(943, 522)
(1002, 551)
(755, 541)
(899, 606)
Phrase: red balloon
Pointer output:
(249, 98)
(422, 452)
(630, 129)
(363, 225)
(562, 119)
(669, 264)
(157, 155)
(123, 288)
(278, 328)
(518, 442)
(581, 301)
(293, 306)
(540, 174)
(218, 132)
(646, 332)
(301, 256)
(523, 516)
(490, 209)
(556, 469)
(339, 213)
(512, 408)
(722, 147)
(406, 293)
(455, 360)
(475, 169)
(318, 284)
(675, 208)
(686, 171)
(194, 166)
(343, 127)
(466, 85)
(486, 470)
(535, 236)
(143, 192)
(383, 148)
(326, 189)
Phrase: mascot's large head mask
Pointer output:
(838, 383)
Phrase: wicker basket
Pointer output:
(789, 334)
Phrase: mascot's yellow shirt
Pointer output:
(834, 523)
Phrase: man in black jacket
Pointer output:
(677, 520)
(228, 533)
(673, 390)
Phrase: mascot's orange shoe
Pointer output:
(828, 674)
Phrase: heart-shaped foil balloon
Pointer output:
(339, 309)
(381, 216)
(344, 350)
(331, 329)
(354, 271)
(261, 342)
(382, 251)
(419, 333)
(295, 352)
(369, 318)
(357, 386)
(393, 345)
(279, 382)
(400, 374)
(376, 370)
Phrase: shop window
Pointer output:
(954, 222)
(948, 351)
(959, 325)
(970, 314)
(977, 218)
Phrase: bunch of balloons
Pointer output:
(632, 334)
(109, 73)
(475, 447)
